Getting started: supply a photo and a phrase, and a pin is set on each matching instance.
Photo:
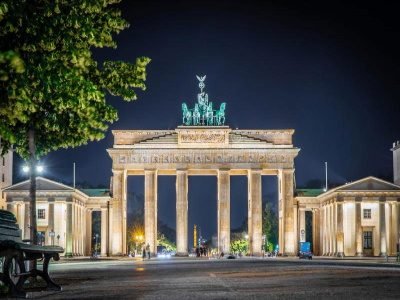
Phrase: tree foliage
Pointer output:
(270, 227)
(239, 246)
(49, 81)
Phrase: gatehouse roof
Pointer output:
(42, 184)
(370, 183)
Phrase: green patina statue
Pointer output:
(203, 113)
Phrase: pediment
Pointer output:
(42, 184)
(369, 184)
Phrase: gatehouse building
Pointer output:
(359, 218)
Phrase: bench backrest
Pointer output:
(9, 229)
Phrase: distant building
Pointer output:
(6, 173)
(396, 162)
(61, 209)
(357, 219)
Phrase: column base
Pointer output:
(182, 254)
(383, 254)
(359, 254)
(339, 254)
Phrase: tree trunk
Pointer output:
(32, 190)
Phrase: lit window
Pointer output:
(367, 239)
(367, 213)
(41, 214)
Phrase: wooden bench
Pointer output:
(15, 252)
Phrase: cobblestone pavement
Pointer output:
(191, 278)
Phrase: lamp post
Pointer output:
(32, 194)
(52, 234)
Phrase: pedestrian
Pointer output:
(148, 251)
(143, 253)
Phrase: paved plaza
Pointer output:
(192, 278)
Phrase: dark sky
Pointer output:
(329, 70)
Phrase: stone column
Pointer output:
(50, 226)
(21, 215)
(281, 209)
(118, 223)
(382, 227)
(104, 237)
(73, 231)
(302, 225)
(110, 227)
(328, 229)
(339, 230)
(334, 228)
(68, 234)
(288, 214)
(27, 221)
(389, 230)
(316, 231)
(224, 223)
(60, 223)
(150, 210)
(395, 229)
(255, 238)
(89, 237)
(323, 229)
(359, 241)
(296, 228)
(181, 213)
(398, 224)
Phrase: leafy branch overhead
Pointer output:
(49, 80)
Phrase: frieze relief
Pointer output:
(203, 138)
(202, 158)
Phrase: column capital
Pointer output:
(223, 171)
(288, 171)
(181, 171)
(255, 171)
(149, 171)
(117, 171)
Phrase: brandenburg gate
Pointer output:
(203, 145)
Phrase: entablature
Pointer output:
(131, 159)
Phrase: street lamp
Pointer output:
(52, 234)
(39, 169)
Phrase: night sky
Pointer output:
(328, 70)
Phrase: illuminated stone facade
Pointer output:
(190, 150)
(356, 219)
(62, 209)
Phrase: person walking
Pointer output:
(148, 251)
(143, 253)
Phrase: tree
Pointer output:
(239, 246)
(270, 227)
(52, 90)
